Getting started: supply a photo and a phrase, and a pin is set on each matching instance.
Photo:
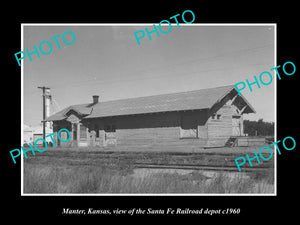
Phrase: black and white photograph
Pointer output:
(122, 113)
(148, 112)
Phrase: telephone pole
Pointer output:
(44, 112)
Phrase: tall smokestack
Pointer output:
(47, 105)
(95, 99)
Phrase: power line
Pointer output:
(54, 102)
(197, 60)
(163, 76)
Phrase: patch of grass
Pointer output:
(90, 179)
(84, 171)
(267, 176)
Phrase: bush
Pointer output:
(259, 128)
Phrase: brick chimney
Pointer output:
(95, 99)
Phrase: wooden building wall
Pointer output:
(220, 129)
(57, 125)
(192, 129)
(158, 129)
(153, 129)
(220, 122)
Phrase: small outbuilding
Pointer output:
(201, 118)
(31, 134)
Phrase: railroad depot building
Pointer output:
(200, 118)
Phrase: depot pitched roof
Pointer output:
(190, 100)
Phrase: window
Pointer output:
(110, 128)
(82, 131)
(216, 116)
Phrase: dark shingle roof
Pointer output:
(81, 109)
(198, 99)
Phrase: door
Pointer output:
(92, 138)
(188, 128)
(64, 136)
(236, 126)
(110, 135)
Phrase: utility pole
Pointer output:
(44, 112)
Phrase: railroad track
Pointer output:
(199, 167)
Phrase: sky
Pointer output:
(106, 60)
